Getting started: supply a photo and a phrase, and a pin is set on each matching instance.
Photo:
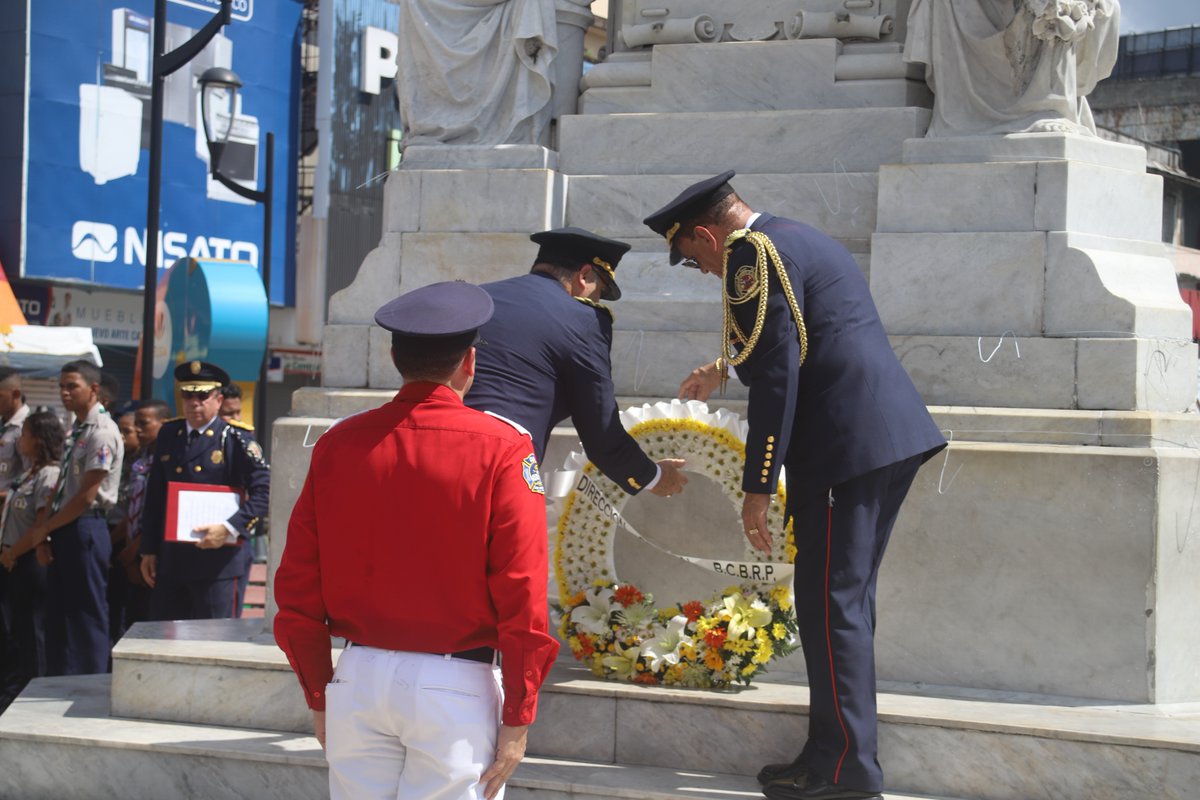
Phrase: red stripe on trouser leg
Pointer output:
(233, 604)
(837, 706)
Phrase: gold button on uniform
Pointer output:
(770, 438)
(178, 469)
(197, 468)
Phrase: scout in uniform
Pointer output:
(545, 356)
(427, 595)
(13, 412)
(77, 640)
(830, 402)
(200, 580)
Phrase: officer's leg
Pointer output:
(213, 599)
(370, 689)
(858, 525)
(170, 599)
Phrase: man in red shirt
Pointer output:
(420, 537)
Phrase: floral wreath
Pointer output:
(614, 627)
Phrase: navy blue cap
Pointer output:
(450, 308)
(200, 376)
(692, 201)
(574, 247)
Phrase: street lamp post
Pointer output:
(220, 81)
(163, 65)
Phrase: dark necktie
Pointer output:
(193, 436)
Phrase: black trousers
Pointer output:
(196, 599)
(77, 640)
(24, 606)
(841, 534)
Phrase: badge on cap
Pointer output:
(533, 478)
(195, 367)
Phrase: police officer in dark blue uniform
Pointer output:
(199, 580)
(545, 355)
(829, 401)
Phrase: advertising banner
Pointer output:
(88, 117)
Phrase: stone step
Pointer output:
(58, 741)
(807, 141)
(933, 740)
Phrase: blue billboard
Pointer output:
(88, 123)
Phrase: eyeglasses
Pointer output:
(197, 395)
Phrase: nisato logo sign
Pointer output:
(100, 242)
(94, 241)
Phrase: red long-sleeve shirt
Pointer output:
(421, 527)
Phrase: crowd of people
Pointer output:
(86, 549)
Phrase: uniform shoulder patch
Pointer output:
(745, 282)
(533, 478)
(598, 306)
(237, 423)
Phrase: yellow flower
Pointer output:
(713, 660)
(749, 669)
(779, 630)
(764, 653)
(745, 615)
(781, 595)
(667, 613)
(739, 646)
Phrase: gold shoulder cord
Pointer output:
(764, 249)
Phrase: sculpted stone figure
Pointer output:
(476, 72)
(652, 22)
(1012, 66)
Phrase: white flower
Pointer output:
(594, 615)
(622, 662)
(636, 616)
(663, 645)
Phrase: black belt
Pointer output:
(484, 655)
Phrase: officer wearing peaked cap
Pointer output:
(201, 579)
(471, 530)
(830, 402)
(545, 356)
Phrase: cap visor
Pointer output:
(676, 256)
(611, 291)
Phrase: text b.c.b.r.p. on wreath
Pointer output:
(615, 628)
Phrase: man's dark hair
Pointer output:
(8, 372)
(84, 369)
(231, 390)
(713, 215)
(110, 388)
(557, 270)
(161, 409)
(429, 358)
(47, 432)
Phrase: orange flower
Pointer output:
(715, 638)
(586, 648)
(628, 595)
(713, 660)
(693, 610)
(646, 678)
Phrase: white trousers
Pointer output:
(402, 725)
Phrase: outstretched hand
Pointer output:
(701, 383)
(672, 479)
(754, 521)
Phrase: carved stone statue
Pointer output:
(1012, 66)
(653, 22)
(476, 72)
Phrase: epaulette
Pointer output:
(520, 428)
(600, 306)
(237, 423)
(172, 419)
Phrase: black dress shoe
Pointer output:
(815, 787)
(794, 770)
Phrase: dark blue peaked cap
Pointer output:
(691, 201)
(450, 308)
(573, 247)
(200, 376)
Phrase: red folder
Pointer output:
(170, 529)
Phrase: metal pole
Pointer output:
(149, 294)
(268, 201)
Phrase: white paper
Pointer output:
(198, 509)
